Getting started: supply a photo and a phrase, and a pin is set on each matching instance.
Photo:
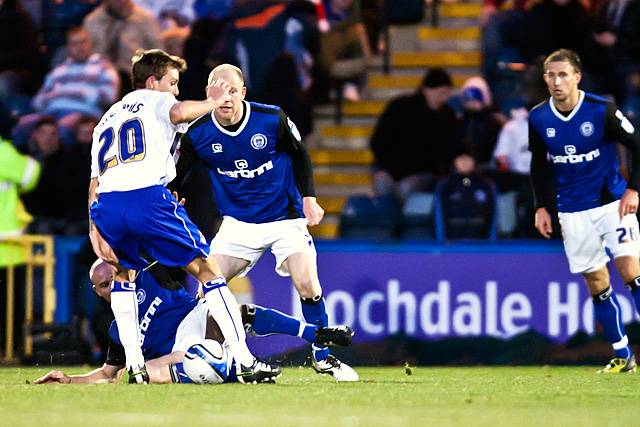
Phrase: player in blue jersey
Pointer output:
(131, 211)
(171, 321)
(573, 136)
(262, 181)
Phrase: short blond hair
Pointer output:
(215, 73)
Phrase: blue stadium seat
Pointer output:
(370, 217)
(465, 208)
(417, 216)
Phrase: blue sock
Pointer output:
(608, 313)
(269, 321)
(315, 312)
(178, 375)
(634, 287)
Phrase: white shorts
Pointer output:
(193, 328)
(248, 241)
(586, 233)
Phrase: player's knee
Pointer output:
(308, 288)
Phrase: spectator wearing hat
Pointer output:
(481, 123)
(414, 138)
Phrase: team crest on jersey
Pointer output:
(217, 148)
(141, 295)
(258, 141)
(586, 129)
(551, 133)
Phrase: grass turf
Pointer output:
(509, 396)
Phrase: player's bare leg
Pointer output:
(230, 265)
(224, 309)
(608, 312)
(304, 275)
(125, 310)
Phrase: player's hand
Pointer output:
(543, 222)
(628, 203)
(57, 377)
(312, 211)
(100, 246)
(217, 91)
(180, 201)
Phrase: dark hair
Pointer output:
(564, 55)
(153, 62)
(436, 77)
(45, 120)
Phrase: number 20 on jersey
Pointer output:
(131, 145)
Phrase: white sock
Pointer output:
(223, 307)
(125, 309)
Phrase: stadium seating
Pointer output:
(465, 209)
(370, 217)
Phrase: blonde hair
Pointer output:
(215, 73)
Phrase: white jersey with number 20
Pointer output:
(132, 143)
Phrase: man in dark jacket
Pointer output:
(414, 138)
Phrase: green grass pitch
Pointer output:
(431, 396)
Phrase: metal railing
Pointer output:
(37, 252)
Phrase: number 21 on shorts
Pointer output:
(626, 234)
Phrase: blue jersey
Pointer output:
(250, 168)
(581, 147)
(160, 312)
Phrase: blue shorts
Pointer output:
(149, 220)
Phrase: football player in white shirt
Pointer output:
(132, 212)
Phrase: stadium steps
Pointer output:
(325, 156)
(342, 160)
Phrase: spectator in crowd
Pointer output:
(345, 47)
(19, 73)
(18, 174)
(44, 202)
(54, 18)
(481, 123)
(414, 138)
(554, 24)
(170, 13)
(282, 88)
(117, 29)
(74, 196)
(501, 46)
(203, 48)
(613, 52)
(84, 85)
(512, 150)
(173, 40)
(467, 200)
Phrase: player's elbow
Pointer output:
(177, 114)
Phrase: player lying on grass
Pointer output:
(171, 321)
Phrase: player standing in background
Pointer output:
(131, 211)
(262, 180)
(597, 207)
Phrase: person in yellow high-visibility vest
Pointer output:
(18, 173)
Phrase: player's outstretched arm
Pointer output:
(186, 111)
(104, 374)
